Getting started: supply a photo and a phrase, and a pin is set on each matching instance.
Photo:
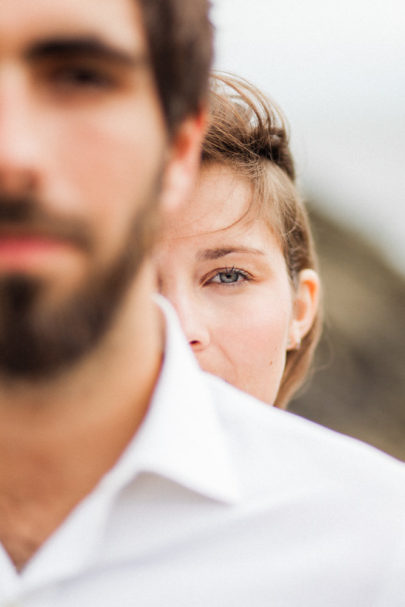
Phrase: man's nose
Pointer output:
(19, 152)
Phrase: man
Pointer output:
(128, 477)
(93, 133)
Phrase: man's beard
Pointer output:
(38, 341)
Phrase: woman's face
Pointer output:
(228, 282)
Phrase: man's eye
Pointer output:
(230, 276)
(81, 78)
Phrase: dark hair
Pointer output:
(247, 133)
(179, 35)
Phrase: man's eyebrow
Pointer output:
(211, 254)
(91, 47)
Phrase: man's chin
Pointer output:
(35, 341)
(44, 333)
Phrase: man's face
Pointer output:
(82, 147)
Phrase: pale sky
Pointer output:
(338, 71)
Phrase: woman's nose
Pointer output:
(189, 309)
(193, 322)
(195, 330)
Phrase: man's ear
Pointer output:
(183, 163)
(306, 304)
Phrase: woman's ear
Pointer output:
(183, 163)
(306, 304)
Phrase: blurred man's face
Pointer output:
(82, 145)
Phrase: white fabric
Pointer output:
(223, 501)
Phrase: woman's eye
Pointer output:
(229, 277)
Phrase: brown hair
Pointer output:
(179, 35)
(247, 133)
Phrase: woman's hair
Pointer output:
(247, 133)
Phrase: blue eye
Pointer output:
(229, 276)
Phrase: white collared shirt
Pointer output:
(223, 501)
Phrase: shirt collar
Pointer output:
(181, 437)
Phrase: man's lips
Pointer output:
(23, 250)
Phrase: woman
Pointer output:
(238, 262)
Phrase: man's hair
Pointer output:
(247, 133)
(179, 35)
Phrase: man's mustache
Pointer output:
(26, 216)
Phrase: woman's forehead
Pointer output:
(203, 242)
(223, 205)
(220, 200)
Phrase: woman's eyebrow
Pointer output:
(211, 254)
(82, 47)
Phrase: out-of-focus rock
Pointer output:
(358, 383)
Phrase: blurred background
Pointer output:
(337, 71)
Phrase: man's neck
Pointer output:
(57, 440)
